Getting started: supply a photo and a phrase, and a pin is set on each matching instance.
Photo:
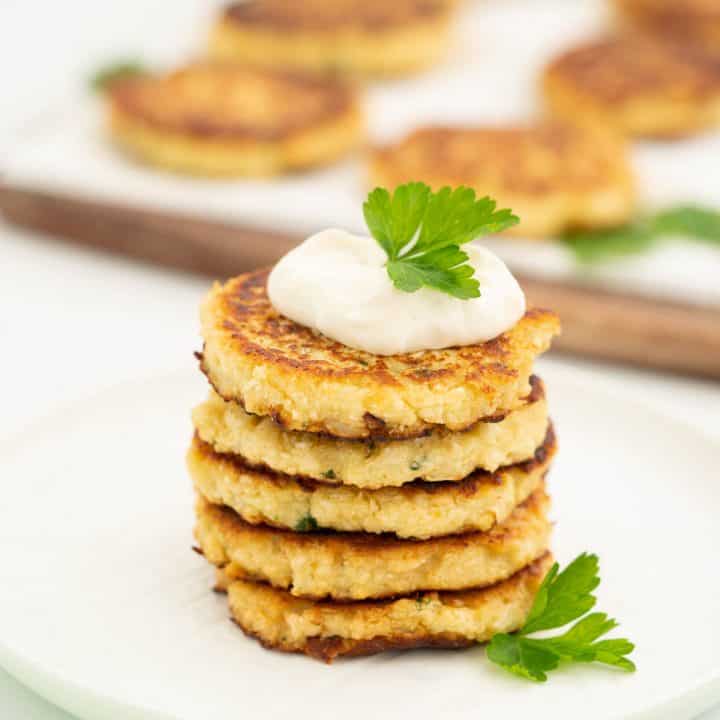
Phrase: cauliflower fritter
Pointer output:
(637, 85)
(305, 381)
(224, 120)
(354, 37)
(553, 176)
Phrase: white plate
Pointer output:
(106, 611)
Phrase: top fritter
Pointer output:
(306, 381)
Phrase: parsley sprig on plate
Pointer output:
(421, 232)
(563, 597)
(686, 221)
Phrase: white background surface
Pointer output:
(72, 322)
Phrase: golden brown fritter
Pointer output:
(690, 22)
(637, 85)
(360, 37)
(306, 381)
(441, 455)
(418, 510)
(216, 119)
(326, 630)
(553, 176)
(354, 566)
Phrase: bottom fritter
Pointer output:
(326, 630)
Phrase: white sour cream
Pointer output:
(336, 284)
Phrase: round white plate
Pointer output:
(105, 610)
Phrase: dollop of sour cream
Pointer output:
(336, 284)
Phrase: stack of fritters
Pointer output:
(354, 503)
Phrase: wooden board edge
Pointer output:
(170, 239)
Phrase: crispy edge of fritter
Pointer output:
(204, 157)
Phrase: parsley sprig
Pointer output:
(105, 76)
(563, 597)
(421, 232)
(686, 221)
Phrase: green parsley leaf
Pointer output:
(103, 78)
(307, 523)
(421, 601)
(594, 246)
(563, 597)
(394, 220)
(689, 221)
(520, 657)
(421, 233)
(566, 596)
(686, 221)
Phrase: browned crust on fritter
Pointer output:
(467, 486)
(252, 329)
(225, 111)
(331, 15)
(686, 21)
(537, 390)
(616, 70)
(527, 160)
(328, 649)
(246, 301)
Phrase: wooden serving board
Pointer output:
(613, 326)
